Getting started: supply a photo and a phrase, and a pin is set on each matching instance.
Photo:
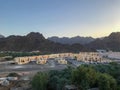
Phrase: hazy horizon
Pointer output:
(58, 36)
(63, 18)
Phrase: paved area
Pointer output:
(29, 68)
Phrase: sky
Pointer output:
(96, 18)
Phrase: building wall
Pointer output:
(62, 61)
(89, 57)
(41, 59)
(114, 55)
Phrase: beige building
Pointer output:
(89, 57)
(62, 61)
(22, 60)
(61, 55)
(41, 61)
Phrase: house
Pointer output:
(41, 61)
(62, 61)
(12, 78)
(5, 83)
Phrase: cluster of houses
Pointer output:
(5, 81)
(61, 58)
(42, 59)
(20, 81)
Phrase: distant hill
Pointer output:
(73, 40)
(111, 42)
(36, 41)
(1, 36)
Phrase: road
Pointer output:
(29, 68)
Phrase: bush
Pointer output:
(39, 81)
(106, 82)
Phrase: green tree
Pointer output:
(53, 81)
(40, 81)
(106, 82)
(84, 77)
(58, 79)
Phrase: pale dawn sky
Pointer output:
(96, 18)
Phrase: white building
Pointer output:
(114, 55)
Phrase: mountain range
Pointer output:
(111, 42)
(1, 36)
(36, 41)
(77, 39)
